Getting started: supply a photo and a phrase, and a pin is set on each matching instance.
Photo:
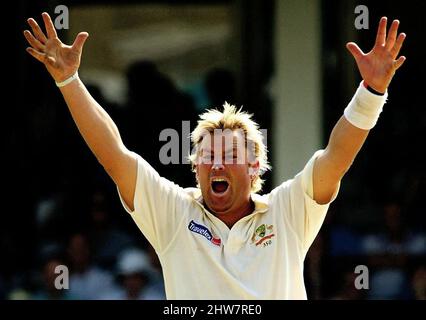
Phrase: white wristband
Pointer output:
(67, 81)
(365, 107)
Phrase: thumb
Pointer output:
(79, 41)
(354, 50)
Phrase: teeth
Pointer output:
(218, 180)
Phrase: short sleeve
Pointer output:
(295, 200)
(159, 205)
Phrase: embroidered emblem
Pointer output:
(263, 235)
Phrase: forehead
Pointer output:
(226, 139)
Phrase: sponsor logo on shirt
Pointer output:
(200, 229)
(263, 235)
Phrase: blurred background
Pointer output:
(153, 64)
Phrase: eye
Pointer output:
(207, 157)
(231, 158)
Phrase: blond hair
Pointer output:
(232, 119)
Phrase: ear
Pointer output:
(253, 168)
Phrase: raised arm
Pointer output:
(95, 125)
(377, 69)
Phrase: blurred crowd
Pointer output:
(389, 260)
(79, 223)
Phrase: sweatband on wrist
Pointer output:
(67, 81)
(364, 109)
(371, 89)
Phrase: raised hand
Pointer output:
(378, 66)
(61, 60)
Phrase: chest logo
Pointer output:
(263, 235)
(206, 233)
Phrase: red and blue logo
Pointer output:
(200, 229)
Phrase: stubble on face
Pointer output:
(223, 173)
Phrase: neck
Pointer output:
(231, 216)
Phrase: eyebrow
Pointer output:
(234, 147)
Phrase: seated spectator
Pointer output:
(87, 281)
(348, 291)
(419, 283)
(134, 276)
(389, 253)
(49, 289)
(106, 238)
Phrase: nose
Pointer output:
(217, 166)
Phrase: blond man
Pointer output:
(222, 240)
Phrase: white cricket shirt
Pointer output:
(260, 257)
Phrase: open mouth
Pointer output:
(219, 185)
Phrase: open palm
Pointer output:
(61, 60)
(378, 66)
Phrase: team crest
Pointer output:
(263, 234)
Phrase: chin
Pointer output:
(218, 205)
(219, 209)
